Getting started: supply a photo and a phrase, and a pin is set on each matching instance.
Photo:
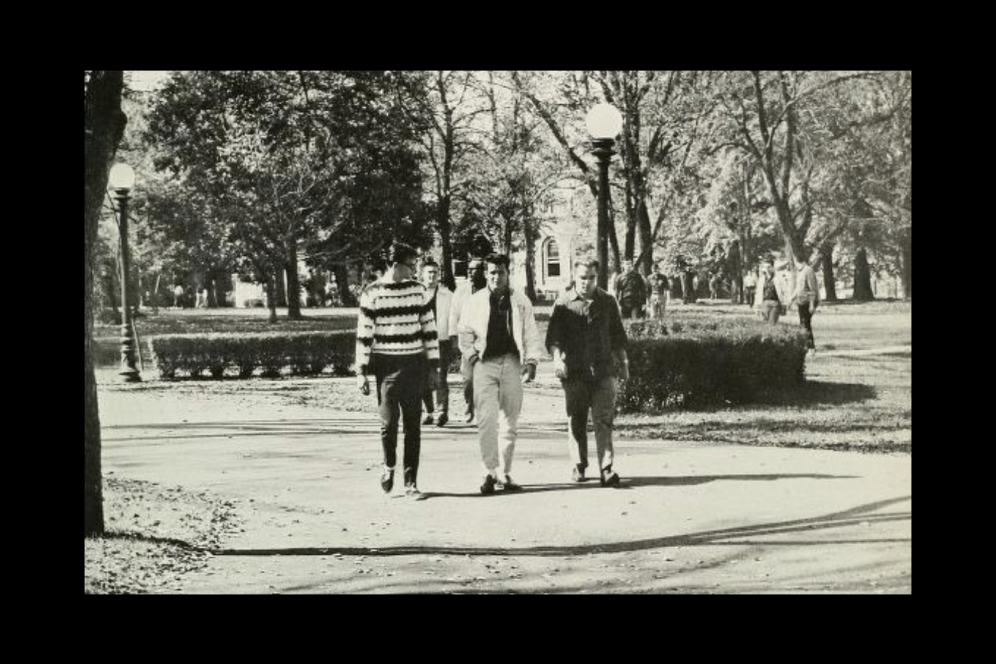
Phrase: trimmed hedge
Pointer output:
(301, 353)
(695, 362)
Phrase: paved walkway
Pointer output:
(688, 517)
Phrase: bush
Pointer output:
(694, 362)
(301, 353)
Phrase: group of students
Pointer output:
(406, 332)
(768, 298)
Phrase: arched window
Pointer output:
(551, 258)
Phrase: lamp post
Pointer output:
(604, 123)
(121, 180)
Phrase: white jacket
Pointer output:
(444, 300)
(473, 326)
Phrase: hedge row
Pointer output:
(695, 362)
(301, 353)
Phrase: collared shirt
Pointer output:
(500, 339)
(587, 331)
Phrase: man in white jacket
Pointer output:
(439, 298)
(498, 336)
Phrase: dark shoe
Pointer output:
(610, 477)
(412, 493)
(489, 485)
(578, 474)
(443, 419)
(428, 419)
(510, 485)
(387, 481)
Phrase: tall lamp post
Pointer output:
(604, 122)
(121, 180)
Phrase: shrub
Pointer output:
(302, 353)
(699, 361)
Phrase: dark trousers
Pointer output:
(806, 320)
(400, 381)
(598, 396)
(443, 393)
(629, 310)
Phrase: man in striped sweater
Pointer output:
(396, 340)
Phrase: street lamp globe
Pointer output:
(604, 121)
(122, 177)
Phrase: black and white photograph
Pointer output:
(498, 332)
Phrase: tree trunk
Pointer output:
(346, 297)
(688, 287)
(216, 296)
(862, 277)
(293, 283)
(735, 268)
(613, 240)
(280, 288)
(630, 222)
(531, 262)
(104, 124)
(443, 224)
(907, 273)
(646, 239)
(829, 281)
(271, 295)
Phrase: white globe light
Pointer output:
(604, 121)
(122, 177)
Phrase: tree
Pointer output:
(292, 161)
(447, 106)
(103, 124)
(513, 177)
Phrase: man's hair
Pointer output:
(401, 252)
(429, 262)
(497, 259)
(593, 264)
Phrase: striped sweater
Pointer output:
(396, 318)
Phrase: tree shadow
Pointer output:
(816, 392)
(735, 536)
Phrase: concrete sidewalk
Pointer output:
(688, 517)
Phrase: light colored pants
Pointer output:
(770, 311)
(600, 398)
(498, 388)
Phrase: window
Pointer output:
(551, 258)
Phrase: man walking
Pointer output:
(588, 342)
(476, 280)
(396, 339)
(440, 298)
(499, 338)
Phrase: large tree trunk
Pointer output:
(104, 124)
(862, 277)
(346, 297)
(280, 289)
(293, 283)
(907, 273)
(646, 238)
(829, 281)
